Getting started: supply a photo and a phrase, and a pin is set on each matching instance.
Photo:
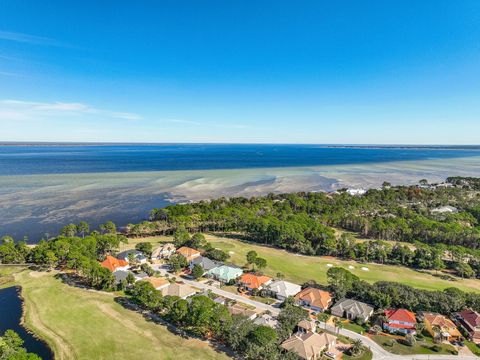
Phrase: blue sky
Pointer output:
(241, 71)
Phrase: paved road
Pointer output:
(378, 352)
(226, 294)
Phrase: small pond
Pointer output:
(10, 318)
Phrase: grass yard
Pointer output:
(474, 348)
(85, 324)
(366, 355)
(421, 346)
(353, 327)
(7, 273)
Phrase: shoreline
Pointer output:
(23, 324)
(44, 203)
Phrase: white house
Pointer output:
(137, 255)
(283, 289)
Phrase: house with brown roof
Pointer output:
(469, 320)
(237, 309)
(305, 326)
(254, 282)
(157, 282)
(188, 253)
(439, 325)
(315, 299)
(177, 289)
(310, 345)
(400, 321)
(163, 252)
(113, 264)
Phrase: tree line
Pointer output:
(75, 248)
(303, 223)
(385, 294)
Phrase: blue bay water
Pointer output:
(45, 186)
(67, 159)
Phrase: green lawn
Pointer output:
(353, 327)
(299, 268)
(86, 324)
(366, 355)
(421, 347)
(7, 277)
(474, 348)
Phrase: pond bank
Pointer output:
(11, 315)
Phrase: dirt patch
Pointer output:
(39, 274)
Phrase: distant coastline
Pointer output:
(340, 146)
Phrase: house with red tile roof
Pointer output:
(315, 299)
(113, 264)
(400, 321)
(251, 281)
(469, 320)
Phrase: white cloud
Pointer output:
(19, 109)
(29, 39)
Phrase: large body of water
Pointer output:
(10, 319)
(65, 159)
(42, 187)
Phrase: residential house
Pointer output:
(163, 252)
(400, 321)
(140, 276)
(120, 275)
(139, 257)
(352, 310)
(176, 289)
(157, 282)
(254, 282)
(315, 299)
(114, 264)
(469, 320)
(204, 262)
(220, 300)
(283, 289)
(310, 345)
(225, 273)
(237, 309)
(266, 320)
(188, 253)
(305, 326)
(445, 326)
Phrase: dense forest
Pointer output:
(305, 222)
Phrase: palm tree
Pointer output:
(357, 347)
(323, 317)
(338, 324)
